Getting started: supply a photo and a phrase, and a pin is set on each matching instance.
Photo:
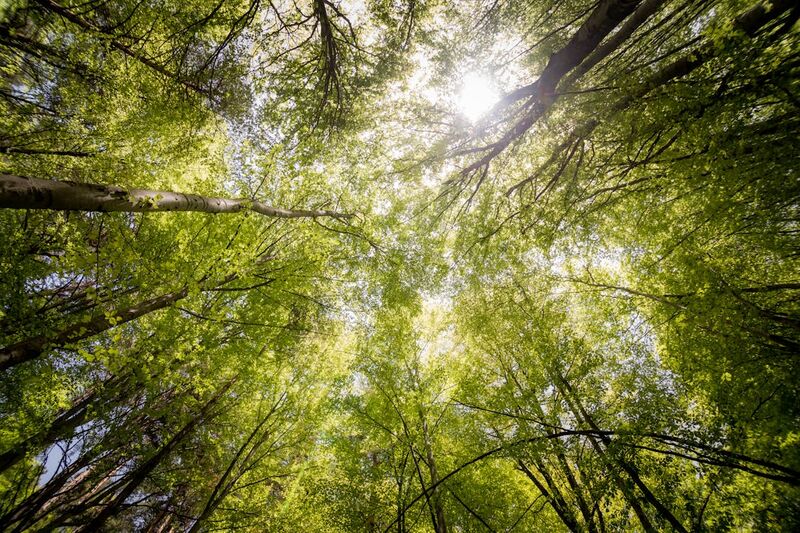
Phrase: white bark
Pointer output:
(18, 192)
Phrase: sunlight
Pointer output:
(477, 96)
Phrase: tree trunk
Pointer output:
(575, 486)
(138, 476)
(228, 479)
(75, 484)
(31, 348)
(37, 151)
(639, 17)
(600, 23)
(66, 421)
(582, 415)
(553, 496)
(54, 492)
(749, 22)
(18, 192)
(436, 499)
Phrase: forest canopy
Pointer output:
(399, 266)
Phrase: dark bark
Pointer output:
(583, 415)
(51, 495)
(77, 485)
(749, 22)
(558, 451)
(228, 479)
(646, 10)
(34, 151)
(32, 348)
(541, 93)
(440, 526)
(137, 476)
(554, 498)
(68, 420)
(63, 425)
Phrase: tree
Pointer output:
(32, 193)
(533, 269)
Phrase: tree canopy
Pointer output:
(409, 266)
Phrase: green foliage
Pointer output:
(579, 312)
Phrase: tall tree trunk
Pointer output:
(55, 492)
(576, 488)
(582, 415)
(67, 420)
(61, 303)
(64, 424)
(64, 490)
(18, 192)
(228, 478)
(31, 348)
(135, 478)
(172, 508)
(566, 469)
(436, 498)
(34, 151)
(646, 10)
(553, 496)
(541, 93)
(750, 22)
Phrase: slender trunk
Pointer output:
(541, 93)
(400, 479)
(575, 486)
(64, 424)
(576, 489)
(38, 151)
(784, 342)
(582, 415)
(60, 305)
(55, 492)
(749, 22)
(436, 500)
(553, 497)
(567, 470)
(75, 483)
(161, 521)
(646, 10)
(423, 486)
(141, 473)
(228, 479)
(18, 192)
(45, 53)
(63, 510)
(623, 484)
(31, 348)
(172, 508)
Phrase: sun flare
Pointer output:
(476, 97)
